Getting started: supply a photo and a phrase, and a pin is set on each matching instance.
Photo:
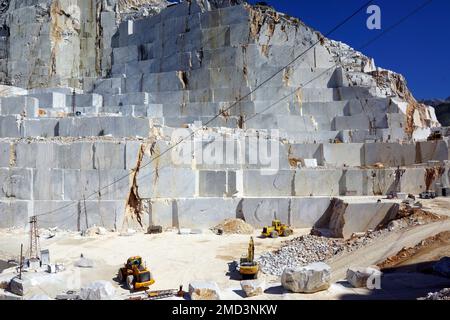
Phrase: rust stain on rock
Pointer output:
(333, 218)
(432, 174)
(293, 161)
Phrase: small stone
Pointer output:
(51, 268)
(20, 286)
(253, 288)
(204, 290)
(98, 290)
(101, 231)
(309, 279)
(358, 277)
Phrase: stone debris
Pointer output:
(98, 290)
(5, 280)
(444, 294)
(69, 295)
(19, 286)
(128, 233)
(309, 279)
(253, 288)
(184, 231)
(94, 231)
(299, 252)
(204, 290)
(84, 263)
(58, 267)
(154, 229)
(358, 276)
(233, 226)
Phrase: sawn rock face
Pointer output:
(93, 91)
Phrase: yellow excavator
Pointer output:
(135, 274)
(277, 229)
(248, 267)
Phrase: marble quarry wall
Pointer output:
(96, 96)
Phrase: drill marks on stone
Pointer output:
(98, 37)
(245, 64)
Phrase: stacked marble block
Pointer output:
(193, 65)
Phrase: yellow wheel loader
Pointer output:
(135, 274)
(277, 229)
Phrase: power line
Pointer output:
(338, 26)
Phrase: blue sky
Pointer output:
(419, 48)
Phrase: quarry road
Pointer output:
(383, 248)
(179, 259)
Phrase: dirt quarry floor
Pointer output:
(176, 259)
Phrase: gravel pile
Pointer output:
(233, 226)
(441, 295)
(307, 249)
(298, 252)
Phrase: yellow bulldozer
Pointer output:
(135, 274)
(277, 229)
(248, 267)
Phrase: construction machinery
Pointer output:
(277, 229)
(135, 274)
(428, 195)
(436, 135)
(248, 267)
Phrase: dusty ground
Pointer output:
(178, 259)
